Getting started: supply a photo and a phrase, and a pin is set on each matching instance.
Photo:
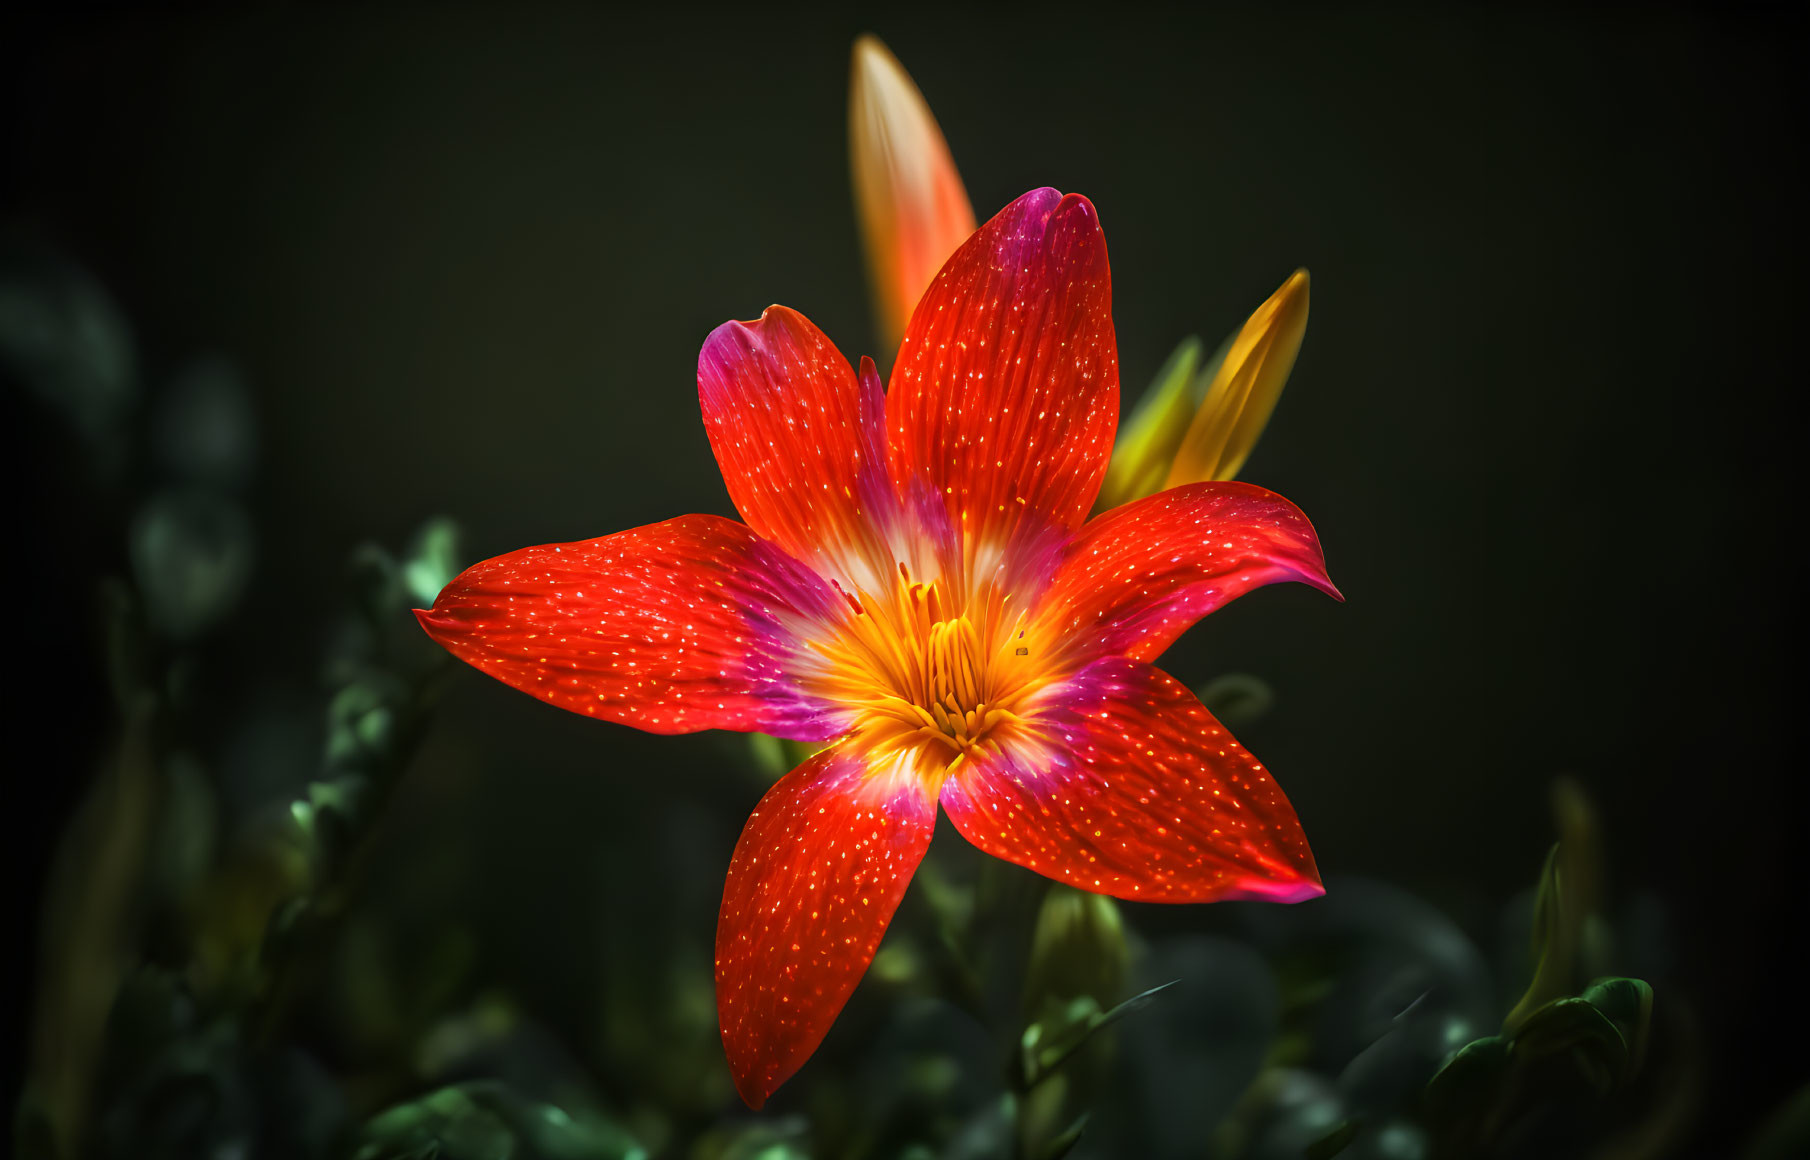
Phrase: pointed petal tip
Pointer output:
(1283, 314)
(1225, 831)
(1312, 570)
(1305, 890)
(1299, 882)
(1324, 583)
(1237, 404)
(439, 626)
(1042, 257)
(870, 52)
(791, 943)
(587, 627)
(1291, 297)
(754, 1093)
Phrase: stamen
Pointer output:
(935, 670)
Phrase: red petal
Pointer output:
(1006, 393)
(1137, 792)
(1140, 575)
(819, 870)
(800, 441)
(674, 627)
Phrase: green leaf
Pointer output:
(1047, 1045)
(1333, 1142)
(1627, 1001)
(448, 1123)
(788, 1139)
(1064, 1141)
(775, 757)
(1467, 1085)
(1565, 923)
(192, 554)
(432, 562)
(65, 339)
(1237, 698)
(361, 720)
(1150, 434)
(204, 429)
(1785, 1133)
(1571, 1034)
(483, 1119)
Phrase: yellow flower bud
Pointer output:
(1244, 389)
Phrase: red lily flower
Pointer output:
(916, 584)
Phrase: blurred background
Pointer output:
(282, 285)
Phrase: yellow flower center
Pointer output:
(934, 678)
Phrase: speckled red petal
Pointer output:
(674, 627)
(1140, 575)
(817, 874)
(1136, 791)
(800, 440)
(1005, 396)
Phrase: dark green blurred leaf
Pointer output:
(152, 1009)
(1353, 962)
(1064, 1141)
(1388, 1076)
(1629, 1004)
(774, 757)
(34, 1136)
(1237, 699)
(1785, 1134)
(204, 430)
(362, 718)
(1182, 1070)
(1283, 1114)
(1047, 1045)
(482, 1120)
(432, 562)
(188, 824)
(377, 583)
(1390, 1140)
(91, 913)
(1464, 1090)
(987, 1133)
(193, 1097)
(782, 1139)
(1333, 1142)
(1568, 1055)
(64, 339)
(191, 556)
(1572, 1034)
(1568, 933)
(448, 1123)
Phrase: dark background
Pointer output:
(466, 259)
